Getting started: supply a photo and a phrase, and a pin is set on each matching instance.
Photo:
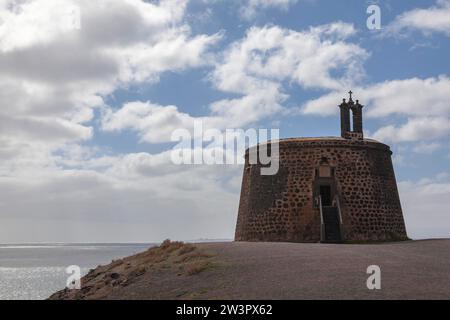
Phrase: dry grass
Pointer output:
(197, 267)
(191, 260)
(163, 252)
(186, 249)
(170, 257)
(169, 246)
(192, 256)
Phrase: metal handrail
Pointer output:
(321, 211)
(338, 202)
(341, 224)
(322, 224)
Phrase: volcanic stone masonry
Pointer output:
(330, 189)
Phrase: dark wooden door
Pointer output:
(325, 194)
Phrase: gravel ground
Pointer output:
(409, 270)
(243, 270)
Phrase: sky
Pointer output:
(92, 91)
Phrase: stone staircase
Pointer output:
(332, 225)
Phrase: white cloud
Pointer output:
(427, 148)
(418, 97)
(416, 129)
(25, 23)
(52, 79)
(435, 19)
(425, 103)
(409, 97)
(251, 108)
(255, 67)
(271, 54)
(153, 122)
(425, 207)
(52, 76)
(250, 8)
(150, 198)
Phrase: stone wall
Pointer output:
(283, 208)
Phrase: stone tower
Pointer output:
(329, 189)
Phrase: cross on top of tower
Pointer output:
(350, 93)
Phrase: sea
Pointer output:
(34, 272)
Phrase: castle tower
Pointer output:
(329, 189)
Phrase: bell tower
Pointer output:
(356, 111)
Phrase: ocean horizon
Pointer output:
(34, 271)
